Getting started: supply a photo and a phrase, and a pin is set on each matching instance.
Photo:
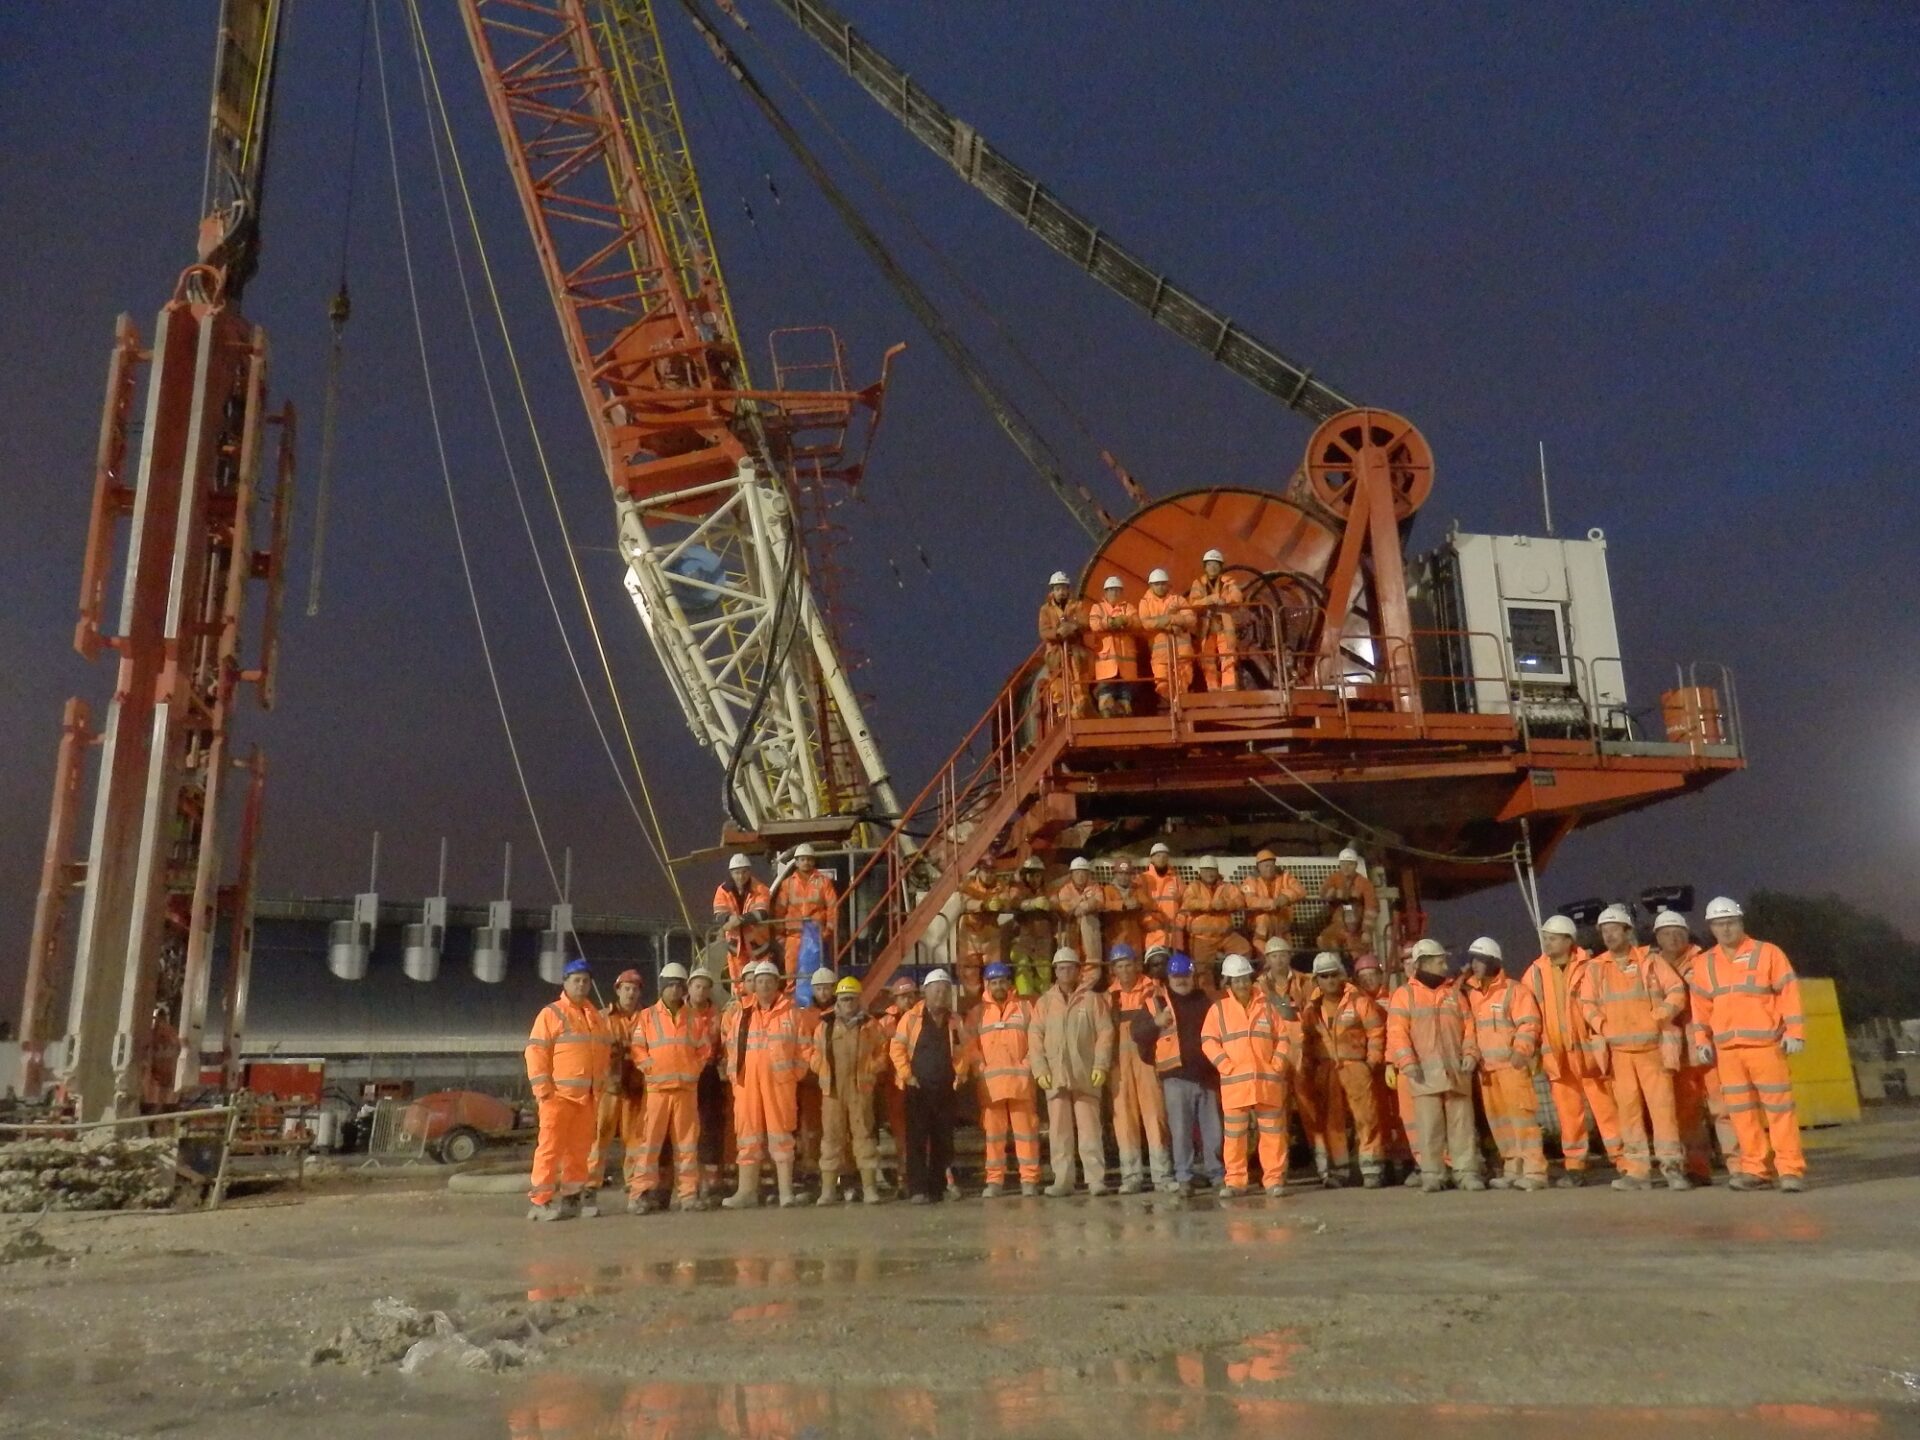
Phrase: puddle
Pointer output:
(553, 1279)
(1786, 1228)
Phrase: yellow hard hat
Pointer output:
(847, 986)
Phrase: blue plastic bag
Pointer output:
(808, 962)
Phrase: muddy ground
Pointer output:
(1350, 1313)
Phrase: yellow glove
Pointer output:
(1099, 1078)
(1046, 1081)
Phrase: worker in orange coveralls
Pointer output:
(805, 893)
(1169, 622)
(1270, 894)
(1370, 978)
(933, 1058)
(1349, 885)
(1346, 1044)
(979, 928)
(741, 907)
(849, 1052)
(1080, 903)
(1747, 1019)
(1217, 600)
(1207, 909)
(668, 1044)
(623, 1104)
(1161, 889)
(1063, 631)
(1008, 1113)
(1343, 933)
(821, 982)
(765, 1055)
(711, 1097)
(903, 992)
(1115, 627)
(1142, 1015)
(567, 1062)
(1248, 1045)
(1025, 897)
(1636, 1005)
(1697, 1100)
(1125, 910)
(1430, 1041)
(1570, 1054)
(1506, 1032)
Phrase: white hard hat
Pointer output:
(1206, 862)
(1350, 854)
(822, 976)
(740, 862)
(1670, 919)
(1276, 946)
(1486, 946)
(1059, 577)
(1080, 862)
(803, 849)
(1328, 963)
(1160, 847)
(1066, 955)
(673, 970)
(1722, 907)
(1559, 925)
(1113, 583)
(763, 967)
(1235, 966)
(1158, 576)
(936, 977)
(1427, 949)
(1213, 555)
(1616, 915)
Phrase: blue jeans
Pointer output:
(1189, 1105)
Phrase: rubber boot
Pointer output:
(829, 1188)
(783, 1178)
(1793, 1184)
(747, 1195)
(991, 1191)
(1633, 1182)
(549, 1211)
(1676, 1177)
(1029, 1187)
(870, 1185)
(1744, 1181)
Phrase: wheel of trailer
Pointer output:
(460, 1145)
(1335, 453)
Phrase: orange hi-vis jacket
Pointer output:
(1209, 909)
(1275, 897)
(1064, 624)
(1569, 1050)
(1145, 997)
(1123, 907)
(729, 903)
(1170, 620)
(1161, 894)
(1250, 1048)
(1116, 641)
(1427, 1027)
(1635, 1003)
(869, 1052)
(1000, 1032)
(906, 1037)
(1347, 1026)
(621, 1075)
(1684, 967)
(1074, 900)
(669, 1050)
(979, 928)
(1217, 619)
(808, 897)
(570, 1052)
(1506, 1023)
(1745, 999)
(772, 1035)
(1336, 936)
(1341, 889)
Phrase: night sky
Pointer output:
(1677, 244)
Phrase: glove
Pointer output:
(1046, 1082)
(1100, 1077)
(1790, 1048)
(913, 1082)
(1412, 1074)
(1703, 1054)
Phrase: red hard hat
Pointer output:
(626, 975)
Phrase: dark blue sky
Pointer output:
(1678, 245)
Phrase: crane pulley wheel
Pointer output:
(1338, 449)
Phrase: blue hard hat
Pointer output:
(1122, 951)
(1180, 963)
(576, 966)
(997, 971)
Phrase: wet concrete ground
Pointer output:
(1352, 1313)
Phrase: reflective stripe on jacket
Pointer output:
(1000, 1033)
(570, 1051)
(1427, 1027)
(1250, 1048)
(1748, 998)
(1506, 1023)
(669, 1050)
(1347, 1026)
(772, 1033)
(1633, 1003)
(1209, 909)
(1116, 641)
(906, 1036)
(1569, 1050)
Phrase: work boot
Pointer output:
(1432, 1184)
(1675, 1177)
(1529, 1182)
(870, 1185)
(1232, 1192)
(1793, 1184)
(1633, 1182)
(641, 1205)
(1132, 1185)
(1470, 1181)
(688, 1204)
(1370, 1181)
(783, 1182)
(1275, 1192)
(1415, 1177)
(829, 1189)
(1029, 1188)
(953, 1190)
(991, 1191)
(1059, 1190)
(1571, 1180)
(552, 1210)
(589, 1207)
(1333, 1180)
(1744, 1181)
(1095, 1189)
(746, 1195)
(919, 1198)
(1500, 1182)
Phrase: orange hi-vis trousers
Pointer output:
(1018, 1121)
(1571, 1099)
(670, 1115)
(560, 1157)
(1335, 1092)
(1139, 1116)
(619, 1119)
(1238, 1129)
(1759, 1095)
(1643, 1092)
(766, 1115)
(1513, 1116)
(1701, 1109)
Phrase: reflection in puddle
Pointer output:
(557, 1278)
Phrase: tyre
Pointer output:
(460, 1145)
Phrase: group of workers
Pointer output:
(1190, 639)
(1161, 1022)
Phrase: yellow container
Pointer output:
(1824, 1092)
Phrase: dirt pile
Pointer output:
(98, 1172)
(419, 1341)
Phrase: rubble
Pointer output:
(96, 1172)
(432, 1341)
